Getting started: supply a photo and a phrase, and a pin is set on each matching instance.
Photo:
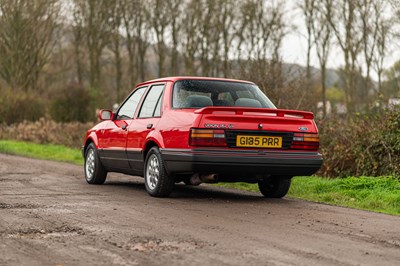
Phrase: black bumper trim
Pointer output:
(239, 162)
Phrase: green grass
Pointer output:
(379, 194)
(42, 151)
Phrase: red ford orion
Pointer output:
(195, 130)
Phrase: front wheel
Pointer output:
(94, 171)
(275, 186)
(158, 183)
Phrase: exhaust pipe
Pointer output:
(209, 178)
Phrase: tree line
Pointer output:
(108, 46)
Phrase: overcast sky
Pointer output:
(294, 47)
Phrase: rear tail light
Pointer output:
(305, 141)
(207, 137)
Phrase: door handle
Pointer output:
(149, 126)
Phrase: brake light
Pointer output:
(207, 137)
(305, 141)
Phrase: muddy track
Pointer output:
(50, 216)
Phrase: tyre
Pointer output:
(275, 186)
(94, 170)
(158, 183)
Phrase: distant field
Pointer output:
(378, 194)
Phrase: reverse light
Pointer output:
(305, 141)
(207, 137)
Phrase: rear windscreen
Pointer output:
(202, 93)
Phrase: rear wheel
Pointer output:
(94, 171)
(158, 183)
(275, 186)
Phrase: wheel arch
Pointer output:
(90, 139)
(149, 144)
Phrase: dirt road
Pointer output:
(50, 216)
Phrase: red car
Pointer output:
(195, 129)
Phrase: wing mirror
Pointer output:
(106, 115)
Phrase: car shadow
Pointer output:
(210, 192)
(204, 191)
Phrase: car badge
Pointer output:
(260, 126)
(303, 128)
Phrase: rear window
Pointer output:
(202, 93)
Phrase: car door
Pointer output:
(147, 119)
(114, 135)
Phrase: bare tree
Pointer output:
(216, 36)
(78, 43)
(344, 20)
(131, 13)
(384, 33)
(115, 43)
(322, 32)
(262, 31)
(370, 15)
(26, 40)
(175, 10)
(191, 35)
(95, 17)
(227, 22)
(209, 41)
(137, 27)
(160, 19)
(308, 8)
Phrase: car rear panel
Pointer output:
(256, 119)
(256, 122)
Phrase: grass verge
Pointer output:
(378, 194)
(42, 151)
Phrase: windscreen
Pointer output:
(202, 93)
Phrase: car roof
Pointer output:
(176, 78)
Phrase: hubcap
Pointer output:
(89, 167)
(153, 172)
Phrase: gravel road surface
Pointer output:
(49, 215)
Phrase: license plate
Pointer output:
(258, 141)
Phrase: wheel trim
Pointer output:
(152, 172)
(90, 164)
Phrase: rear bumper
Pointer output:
(239, 162)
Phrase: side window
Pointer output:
(127, 110)
(152, 103)
(157, 111)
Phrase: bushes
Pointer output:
(361, 145)
(72, 104)
(25, 116)
(16, 106)
(46, 131)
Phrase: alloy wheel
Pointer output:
(153, 172)
(90, 164)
